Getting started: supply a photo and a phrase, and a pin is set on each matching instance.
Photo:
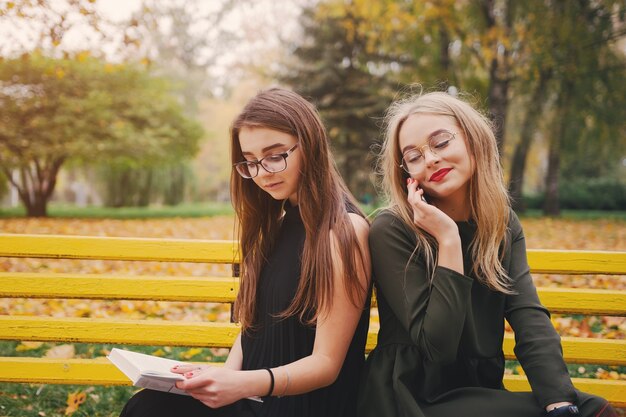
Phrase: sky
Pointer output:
(118, 9)
(259, 24)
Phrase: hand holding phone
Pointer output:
(423, 198)
(409, 181)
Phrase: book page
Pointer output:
(151, 372)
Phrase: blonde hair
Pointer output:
(488, 197)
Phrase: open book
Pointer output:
(147, 371)
(150, 372)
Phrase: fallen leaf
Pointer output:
(24, 346)
(61, 352)
(74, 400)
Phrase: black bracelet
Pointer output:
(565, 410)
(271, 382)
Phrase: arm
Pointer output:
(334, 330)
(235, 357)
(217, 387)
(433, 316)
(537, 344)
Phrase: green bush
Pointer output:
(586, 194)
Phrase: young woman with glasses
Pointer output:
(303, 299)
(449, 265)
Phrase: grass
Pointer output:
(582, 215)
(183, 210)
(213, 209)
(26, 400)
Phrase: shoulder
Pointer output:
(389, 223)
(360, 225)
(515, 226)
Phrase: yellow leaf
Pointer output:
(74, 400)
(190, 353)
(61, 352)
(24, 346)
(158, 352)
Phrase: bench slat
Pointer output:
(582, 350)
(172, 333)
(575, 349)
(612, 391)
(195, 250)
(118, 331)
(118, 248)
(101, 287)
(544, 261)
(216, 289)
(583, 301)
(100, 372)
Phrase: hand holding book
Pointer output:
(153, 372)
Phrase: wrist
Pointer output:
(451, 241)
(450, 254)
(563, 411)
(254, 383)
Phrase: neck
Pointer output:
(456, 207)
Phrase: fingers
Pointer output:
(195, 379)
(185, 368)
(415, 193)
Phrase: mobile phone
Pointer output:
(423, 196)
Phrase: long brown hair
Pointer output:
(323, 199)
(488, 197)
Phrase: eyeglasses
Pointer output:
(271, 163)
(413, 159)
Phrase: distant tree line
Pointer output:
(548, 72)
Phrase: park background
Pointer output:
(116, 112)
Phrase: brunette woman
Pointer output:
(303, 299)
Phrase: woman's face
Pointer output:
(259, 142)
(435, 150)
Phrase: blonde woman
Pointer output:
(449, 265)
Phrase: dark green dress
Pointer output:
(439, 350)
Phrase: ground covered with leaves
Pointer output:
(54, 400)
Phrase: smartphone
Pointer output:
(423, 196)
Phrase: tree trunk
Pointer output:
(36, 184)
(499, 77)
(551, 205)
(444, 56)
(498, 101)
(529, 126)
(38, 208)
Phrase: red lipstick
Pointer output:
(440, 174)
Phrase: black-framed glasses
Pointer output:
(271, 163)
(413, 159)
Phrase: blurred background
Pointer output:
(127, 103)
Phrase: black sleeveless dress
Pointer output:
(275, 342)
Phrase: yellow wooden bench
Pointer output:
(223, 290)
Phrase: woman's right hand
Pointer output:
(429, 218)
(439, 225)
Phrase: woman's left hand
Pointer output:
(214, 386)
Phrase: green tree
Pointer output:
(335, 68)
(589, 91)
(83, 109)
